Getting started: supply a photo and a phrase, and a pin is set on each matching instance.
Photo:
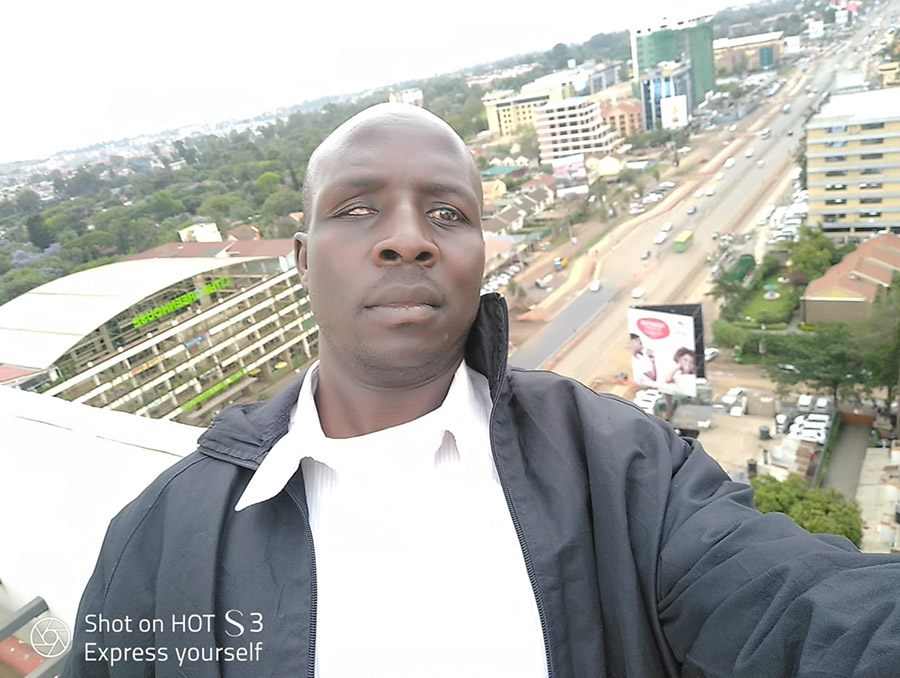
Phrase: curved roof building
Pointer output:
(173, 337)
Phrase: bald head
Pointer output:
(388, 118)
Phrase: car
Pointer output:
(595, 286)
(732, 396)
(732, 128)
(790, 133)
(660, 238)
(711, 191)
(692, 209)
(684, 149)
(645, 255)
(760, 163)
(787, 367)
(668, 226)
(710, 353)
(651, 198)
(804, 402)
(698, 193)
(634, 211)
(666, 185)
(729, 163)
(720, 176)
(638, 292)
(748, 153)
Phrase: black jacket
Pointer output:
(646, 560)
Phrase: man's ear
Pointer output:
(301, 247)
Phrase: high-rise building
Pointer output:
(666, 95)
(688, 40)
(573, 126)
(853, 162)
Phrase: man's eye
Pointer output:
(446, 214)
(358, 211)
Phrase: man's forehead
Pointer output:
(356, 153)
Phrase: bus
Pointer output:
(683, 240)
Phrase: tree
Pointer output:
(528, 143)
(813, 509)
(281, 203)
(825, 359)
(163, 205)
(878, 341)
(18, 281)
(27, 201)
(813, 254)
(265, 185)
(40, 235)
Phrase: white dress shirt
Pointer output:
(418, 565)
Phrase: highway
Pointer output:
(588, 339)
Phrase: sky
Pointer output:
(76, 73)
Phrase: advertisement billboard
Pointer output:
(673, 111)
(666, 344)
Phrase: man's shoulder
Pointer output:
(544, 389)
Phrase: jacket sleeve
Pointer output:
(747, 595)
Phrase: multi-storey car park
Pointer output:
(175, 334)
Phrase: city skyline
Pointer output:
(86, 74)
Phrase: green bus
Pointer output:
(683, 240)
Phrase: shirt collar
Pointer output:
(464, 414)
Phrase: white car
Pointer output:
(711, 191)
(660, 238)
(732, 396)
(698, 193)
(720, 176)
(638, 292)
(668, 226)
(595, 286)
(710, 353)
(748, 153)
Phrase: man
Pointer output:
(416, 507)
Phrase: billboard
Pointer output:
(673, 111)
(666, 344)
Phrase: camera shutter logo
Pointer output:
(50, 637)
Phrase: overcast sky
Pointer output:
(74, 73)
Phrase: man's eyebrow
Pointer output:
(451, 188)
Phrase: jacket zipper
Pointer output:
(311, 659)
(529, 565)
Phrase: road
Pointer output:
(588, 340)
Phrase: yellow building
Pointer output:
(853, 162)
(508, 113)
(493, 189)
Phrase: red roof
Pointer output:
(874, 260)
(238, 248)
(10, 372)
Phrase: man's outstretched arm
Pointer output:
(742, 594)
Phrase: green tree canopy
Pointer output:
(813, 254)
(816, 510)
(826, 359)
(878, 340)
(281, 203)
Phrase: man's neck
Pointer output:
(350, 407)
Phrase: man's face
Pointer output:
(394, 257)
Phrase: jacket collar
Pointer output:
(243, 434)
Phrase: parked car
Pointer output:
(732, 396)
(710, 353)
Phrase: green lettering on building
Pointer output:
(213, 390)
(179, 302)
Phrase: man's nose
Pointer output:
(405, 238)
